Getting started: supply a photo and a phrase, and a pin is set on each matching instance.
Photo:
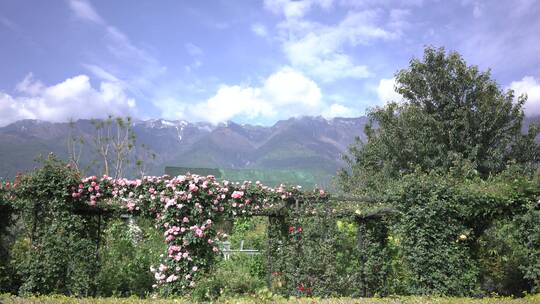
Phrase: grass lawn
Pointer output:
(7, 299)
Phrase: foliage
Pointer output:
(129, 248)
(327, 253)
(450, 112)
(500, 258)
(60, 240)
(252, 231)
(442, 224)
(527, 235)
(316, 248)
(6, 272)
(230, 278)
(434, 238)
(305, 258)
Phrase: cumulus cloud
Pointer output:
(74, 98)
(386, 91)
(284, 93)
(531, 87)
(339, 110)
(319, 49)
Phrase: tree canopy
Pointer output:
(450, 113)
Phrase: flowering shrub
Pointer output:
(186, 208)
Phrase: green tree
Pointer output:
(451, 112)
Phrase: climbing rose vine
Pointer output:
(185, 209)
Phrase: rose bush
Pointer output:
(185, 209)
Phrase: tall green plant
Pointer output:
(61, 257)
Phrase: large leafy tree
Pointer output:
(450, 113)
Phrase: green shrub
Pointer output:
(500, 258)
(126, 254)
(238, 276)
(528, 236)
(61, 257)
(434, 239)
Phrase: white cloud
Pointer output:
(29, 86)
(289, 87)
(319, 50)
(84, 10)
(230, 101)
(101, 73)
(120, 45)
(386, 91)
(73, 98)
(339, 110)
(193, 50)
(530, 86)
(259, 29)
(286, 92)
(295, 9)
(142, 66)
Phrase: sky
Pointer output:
(247, 61)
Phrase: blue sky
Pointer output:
(247, 61)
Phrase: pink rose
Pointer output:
(237, 194)
(163, 268)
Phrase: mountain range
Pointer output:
(311, 144)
